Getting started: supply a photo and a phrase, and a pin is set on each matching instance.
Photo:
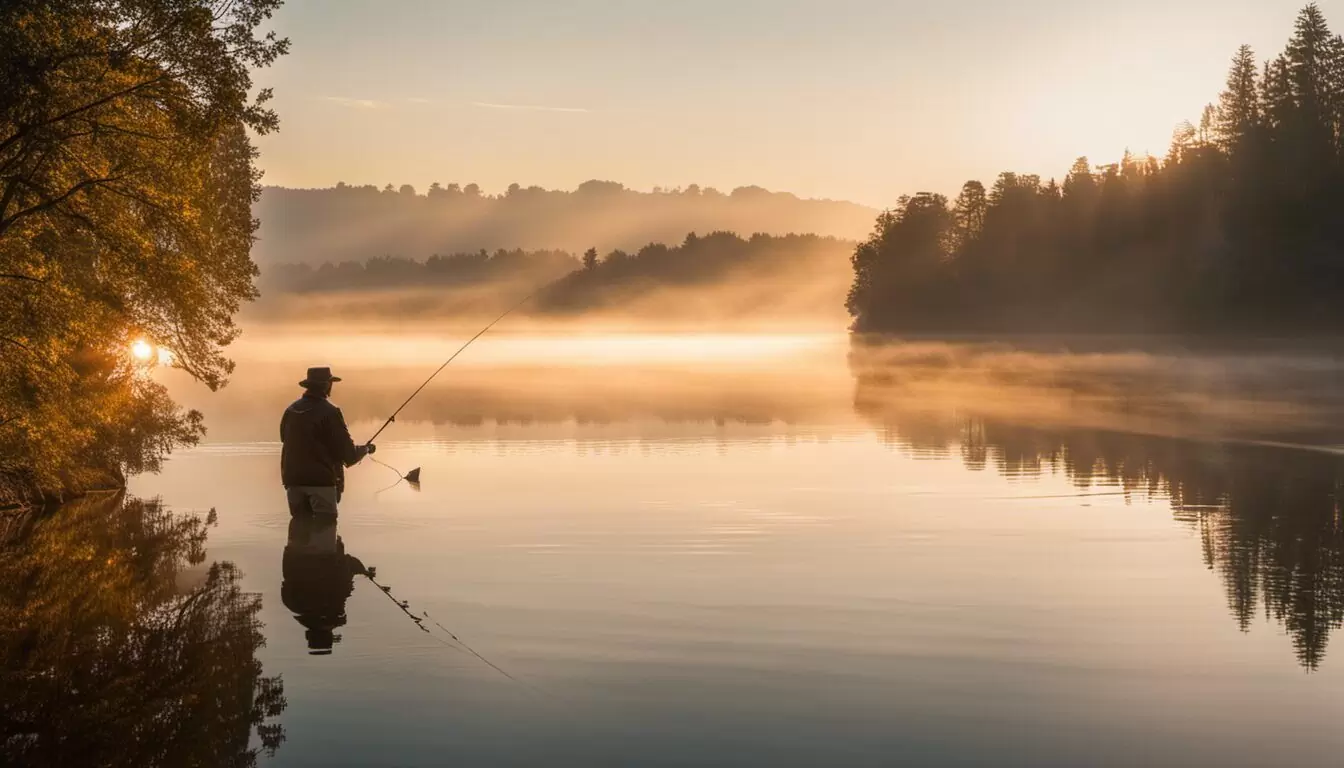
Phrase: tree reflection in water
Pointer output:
(122, 648)
(1268, 516)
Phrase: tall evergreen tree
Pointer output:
(1239, 106)
(1080, 183)
(1276, 96)
(969, 211)
(1310, 66)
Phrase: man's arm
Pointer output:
(283, 416)
(342, 445)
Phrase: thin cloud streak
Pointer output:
(345, 101)
(526, 107)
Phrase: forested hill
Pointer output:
(715, 277)
(349, 223)
(1238, 229)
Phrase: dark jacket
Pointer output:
(316, 444)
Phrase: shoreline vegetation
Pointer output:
(127, 178)
(130, 197)
(1236, 231)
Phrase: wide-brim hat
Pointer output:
(319, 376)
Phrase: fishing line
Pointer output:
(469, 648)
(460, 350)
(405, 608)
(414, 477)
(398, 472)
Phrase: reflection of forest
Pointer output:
(1268, 516)
(121, 648)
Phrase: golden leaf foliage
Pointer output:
(126, 183)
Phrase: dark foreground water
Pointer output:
(714, 551)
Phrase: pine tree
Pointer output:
(1277, 106)
(1335, 90)
(1311, 57)
(1183, 140)
(1239, 114)
(1308, 55)
(969, 211)
(1080, 183)
(1207, 119)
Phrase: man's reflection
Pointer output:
(318, 578)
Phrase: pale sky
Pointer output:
(855, 99)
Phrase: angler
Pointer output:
(317, 448)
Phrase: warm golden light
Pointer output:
(143, 350)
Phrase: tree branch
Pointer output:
(134, 197)
(11, 189)
(26, 129)
(15, 276)
(8, 222)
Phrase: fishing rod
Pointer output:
(414, 475)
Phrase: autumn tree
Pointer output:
(126, 183)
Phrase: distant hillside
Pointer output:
(712, 278)
(720, 274)
(348, 223)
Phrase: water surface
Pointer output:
(789, 551)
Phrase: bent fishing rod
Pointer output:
(460, 350)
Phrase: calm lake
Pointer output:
(765, 551)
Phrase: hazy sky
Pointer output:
(856, 99)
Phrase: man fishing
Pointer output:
(316, 448)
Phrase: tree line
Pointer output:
(578, 283)
(1235, 230)
(719, 257)
(351, 223)
(394, 272)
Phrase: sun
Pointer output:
(143, 350)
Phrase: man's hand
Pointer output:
(371, 448)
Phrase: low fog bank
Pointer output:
(716, 282)
(539, 386)
(924, 394)
(1157, 386)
